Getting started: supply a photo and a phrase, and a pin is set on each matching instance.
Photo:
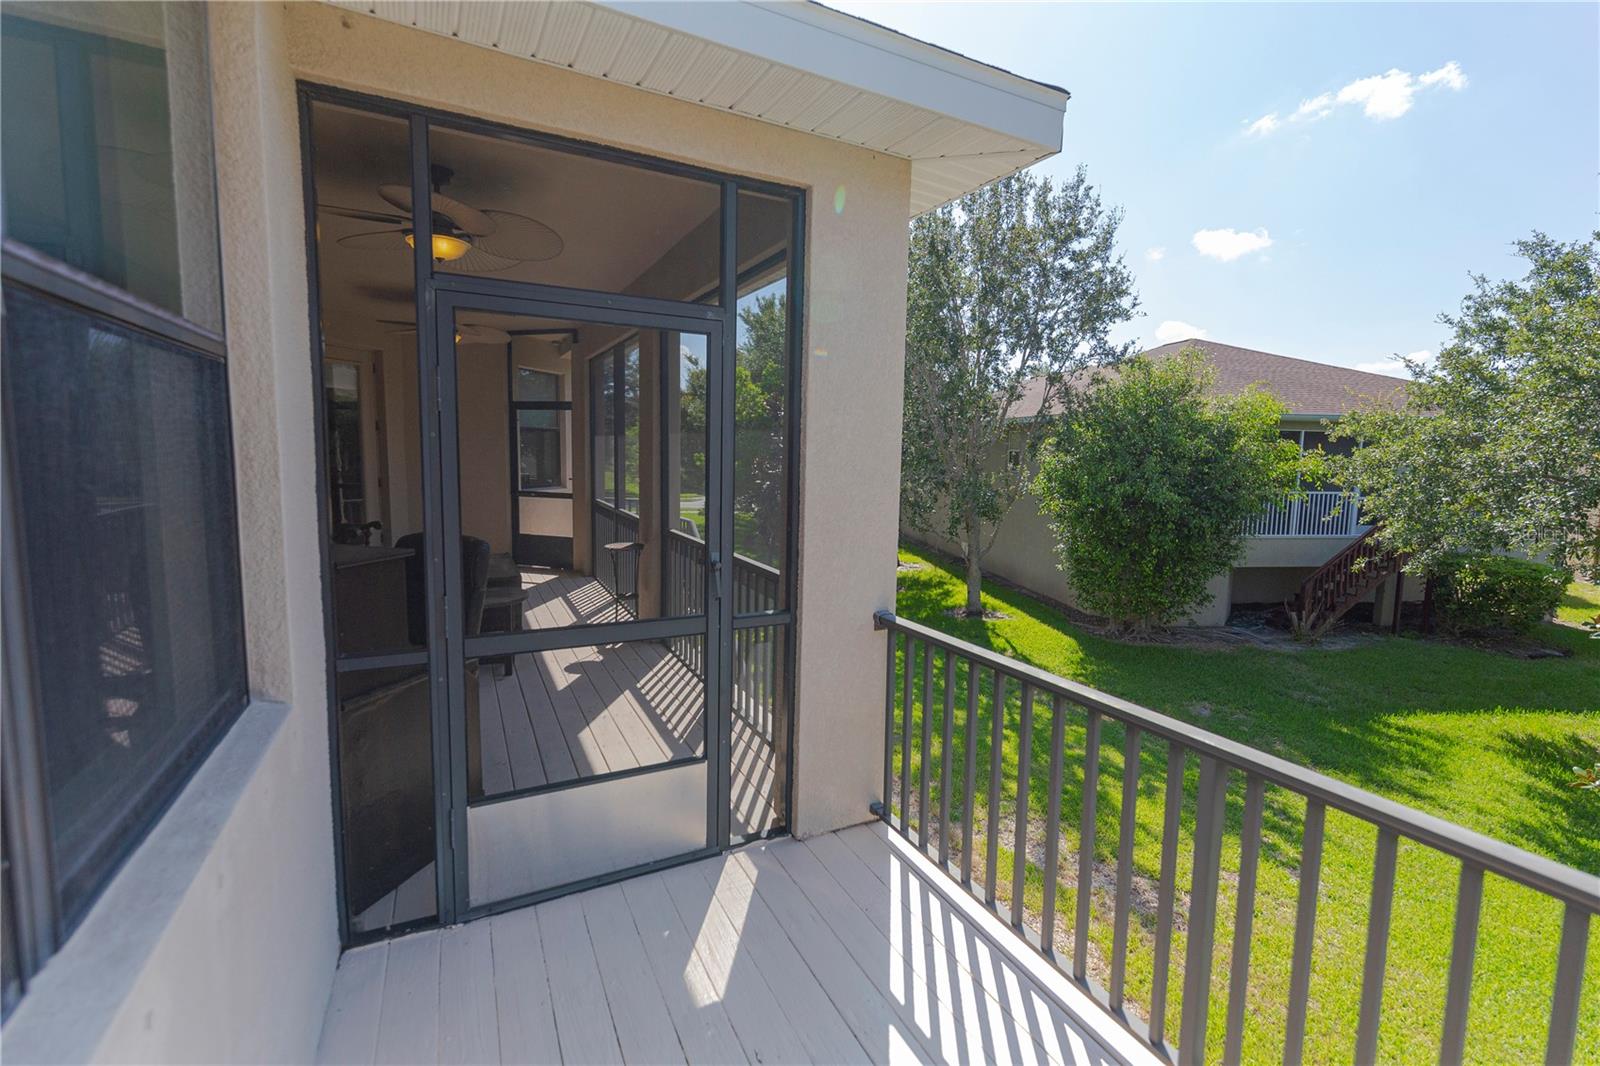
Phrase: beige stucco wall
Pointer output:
(265, 891)
(854, 322)
(484, 443)
(217, 940)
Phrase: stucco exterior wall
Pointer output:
(267, 893)
(854, 338)
(217, 941)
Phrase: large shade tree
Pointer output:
(1498, 444)
(1017, 282)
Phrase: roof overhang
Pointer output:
(960, 122)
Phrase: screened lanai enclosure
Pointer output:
(557, 482)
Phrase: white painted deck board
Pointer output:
(555, 754)
(1021, 980)
(886, 1029)
(523, 1009)
(584, 1025)
(408, 1026)
(941, 1010)
(509, 718)
(845, 947)
(888, 910)
(752, 1006)
(764, 947)
(644, 1025)
(350, 1028)
(469, 1028)
(693, 999)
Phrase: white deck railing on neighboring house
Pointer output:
(1324, 513)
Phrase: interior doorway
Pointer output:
(557, 416)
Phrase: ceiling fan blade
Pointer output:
(520, 237)
(474, 333)
(464, 217)
(382, 240)
(364, 216)
(478, 261)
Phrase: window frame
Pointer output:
(516, 407)
(31, 880)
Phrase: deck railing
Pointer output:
(618, 572)
(757, 666)
(1323, 513)
(934, 792)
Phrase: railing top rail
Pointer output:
(1497, 856)
(740, 560)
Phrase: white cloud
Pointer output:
(1449, 76)
(1229, 244)
(1381, 97)
(1174, 330)
(1263, 125)
(1313, 109)
(1393, 366)
(1156, 254)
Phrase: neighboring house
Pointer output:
(411, 651)
(1287, 543)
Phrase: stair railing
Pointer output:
(1341, 582)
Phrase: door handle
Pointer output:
(714, 560)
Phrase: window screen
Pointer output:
(124, 479)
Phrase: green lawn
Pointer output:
(1581, 603)
(1477, 737)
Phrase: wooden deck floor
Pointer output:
(581, 712)
(576, 713)
(846, 948)
(562, 715)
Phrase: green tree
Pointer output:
(760, 400)
(1017, 281)
(1149, 483)
(760, 412)
(1498, 444)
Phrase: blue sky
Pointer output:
(1378, 196)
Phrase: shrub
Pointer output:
(1150, 481)
(1485, 592)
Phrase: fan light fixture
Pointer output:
(445, 246)
(487, 240)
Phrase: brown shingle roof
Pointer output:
(1304, 387)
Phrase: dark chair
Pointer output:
(474, 581)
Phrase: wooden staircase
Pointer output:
(1342, 582)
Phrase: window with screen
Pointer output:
(122, 531)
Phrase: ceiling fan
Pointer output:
(478, 240)
(466, 332)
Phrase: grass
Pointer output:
(1473, 736)
(1580, 603)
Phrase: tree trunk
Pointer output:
(974, 608)
(974, 586)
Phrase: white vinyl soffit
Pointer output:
(962, 123)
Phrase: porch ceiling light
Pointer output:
(446, 247)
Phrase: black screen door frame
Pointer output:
(447, 296)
